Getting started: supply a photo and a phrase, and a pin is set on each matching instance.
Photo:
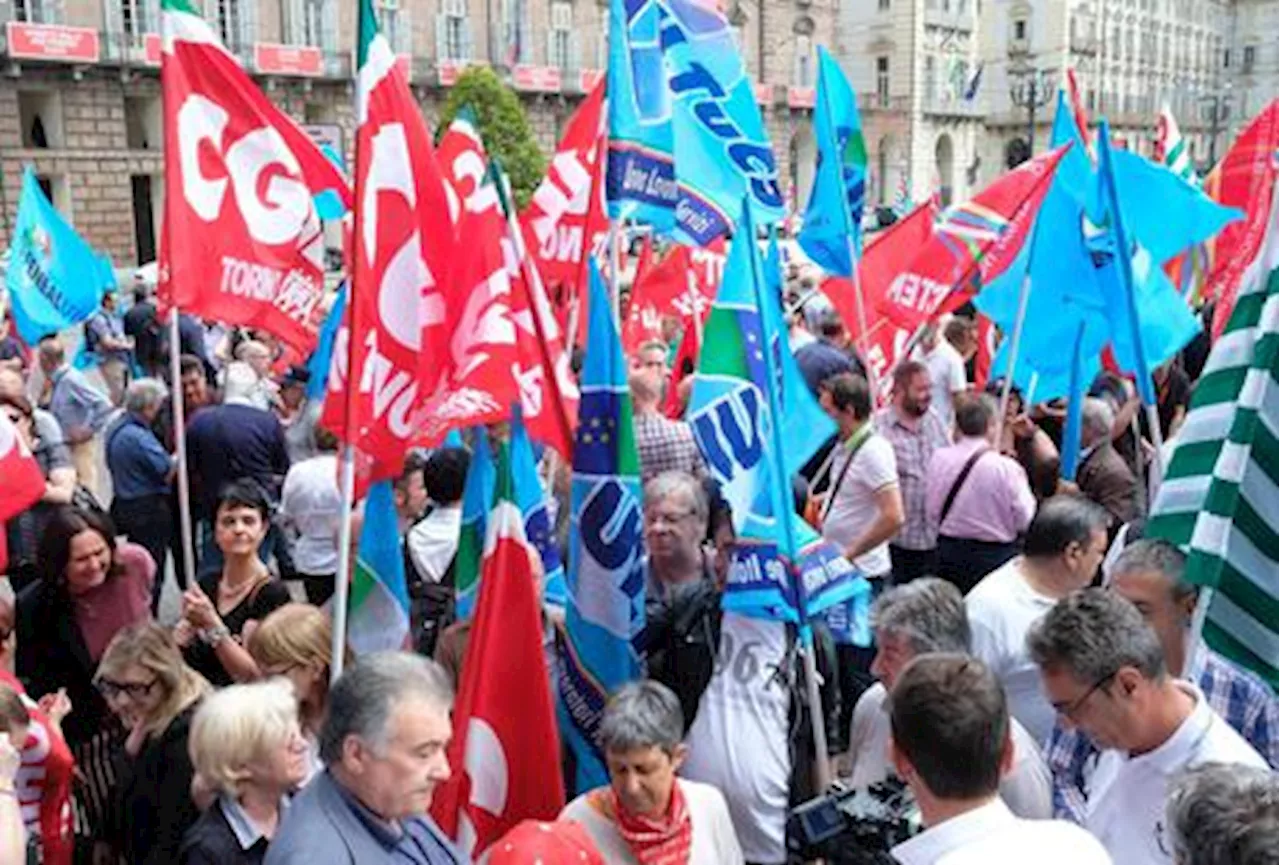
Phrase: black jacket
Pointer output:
(211, 841)
(153, 806)
(52, 654)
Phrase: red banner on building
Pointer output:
(536, 79)
(52, 42)
(295, 60)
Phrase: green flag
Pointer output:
(1218, 501)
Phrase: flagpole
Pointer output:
(342, 580)
(615, 280)
(1125, 264)
(1015, 344)
(188, 563)
(782, 498)
(860, 310)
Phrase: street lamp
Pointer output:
(1031, 88)
(1219, 112)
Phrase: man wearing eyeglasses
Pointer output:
(1149, 574)
(1103, 671)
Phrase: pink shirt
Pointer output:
(994, 504)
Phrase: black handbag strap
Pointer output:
(853, 447)
(960, 479)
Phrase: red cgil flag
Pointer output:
(505, 752)
(242, 242)
(565, 222)
(403, 242)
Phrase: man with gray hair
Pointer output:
(924, 616)
(383, 745)
(1103, 475)
(1150, 574)
(1218, 814)
(141, 472)
(1103, 670)
(80, 409)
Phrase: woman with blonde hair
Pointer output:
(248, 748)
(295, 642)
(149, 686)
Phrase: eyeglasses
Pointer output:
(1070, 710)
(657, 517)
(132, 690)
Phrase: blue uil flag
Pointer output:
(55, 279)
(833, 219)
(687, 141)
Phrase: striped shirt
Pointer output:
(1239, 697)
(913, 448)
(665, 445)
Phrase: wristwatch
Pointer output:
(215, 635)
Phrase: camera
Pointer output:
(847, 826)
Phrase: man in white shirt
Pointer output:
(432, 542)
(951, 744)
(945, 351)
(1103, 670)
(923, 616)
(310, 510)
(1064, 545)
(862, 511)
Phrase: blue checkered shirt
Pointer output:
(1239, 697)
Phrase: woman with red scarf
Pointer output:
(648, 816)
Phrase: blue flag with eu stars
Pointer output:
(606, 576)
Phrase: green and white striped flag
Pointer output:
(1219, 497)
(1173, 147)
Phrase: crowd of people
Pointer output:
(1029, 668)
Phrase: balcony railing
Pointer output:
(948, 19)
(949, 106)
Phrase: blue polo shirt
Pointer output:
(138, 463)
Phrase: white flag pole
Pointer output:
(342, 580)
(188, 563)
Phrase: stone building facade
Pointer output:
(80, 96)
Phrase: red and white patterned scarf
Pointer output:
(665, 841)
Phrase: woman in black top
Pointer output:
(249, 750)
(150, 688)
(221, 610)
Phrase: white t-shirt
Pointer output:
(433, 542)
(854, 508)
(1027, 789)
(311, 504)
(739, 740)
(992, 835)
(1126, 796)
(713, 840)
(947, 375)
(1002, 608)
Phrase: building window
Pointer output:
(455, 41)
(137, 18)
(40, 113)
(517, 49)
(1020, 29)
(882, 81)
(561, 51)
(884, 5)
(392, 26)
(930, 80)
(229, 19)
(143, 123)
(37, 11)
(1246, 62)
(804, 61)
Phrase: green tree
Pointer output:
(502, 124)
